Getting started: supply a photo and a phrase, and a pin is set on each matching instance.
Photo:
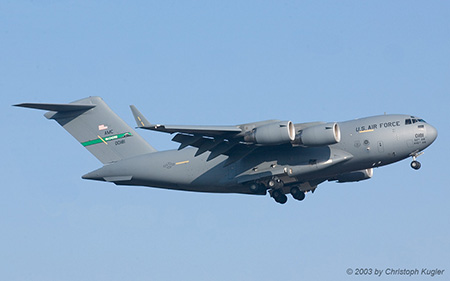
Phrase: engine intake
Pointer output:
(272, 134)
(319, 135)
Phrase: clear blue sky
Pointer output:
(219, 63)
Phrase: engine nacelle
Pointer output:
(319, 135)
(355, 176)
(272, 134)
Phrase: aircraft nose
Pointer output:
(431, 133)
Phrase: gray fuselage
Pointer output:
(365, 143)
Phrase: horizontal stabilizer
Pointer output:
(97, 128)
(57, 106)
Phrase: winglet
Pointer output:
(141, 121)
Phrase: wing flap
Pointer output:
(207, 145)
(185, 140)
(223, 148)
(216, 147)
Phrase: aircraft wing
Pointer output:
(226, 140)
(239, 140)
(211, 131)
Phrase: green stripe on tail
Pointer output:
(106, 139)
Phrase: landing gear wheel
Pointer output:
(279, 196)
(297, 193)
(282, 199)
(415, 165)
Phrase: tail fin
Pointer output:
(97, 128)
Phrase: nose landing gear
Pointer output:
(416, 164)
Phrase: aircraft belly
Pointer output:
(184, 171)
(179, 170)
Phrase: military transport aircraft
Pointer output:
(276, 156)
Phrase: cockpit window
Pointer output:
(413, 121)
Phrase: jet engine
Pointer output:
(319, 135)
(355, 176)
(272, 134)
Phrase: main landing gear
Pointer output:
(276, 185)
(297, 193)
(279, 196)
(416, 164)
(278, 191)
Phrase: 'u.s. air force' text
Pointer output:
(373, 127)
